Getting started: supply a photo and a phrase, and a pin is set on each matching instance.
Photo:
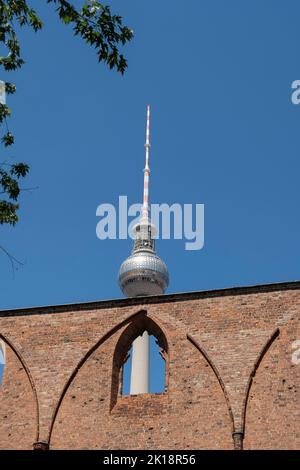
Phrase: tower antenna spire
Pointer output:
(145, 207)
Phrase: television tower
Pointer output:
(143, 273)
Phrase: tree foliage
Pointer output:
(94, 23)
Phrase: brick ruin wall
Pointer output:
(232, 373)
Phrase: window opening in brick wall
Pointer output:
(122, 360)
(157, 369)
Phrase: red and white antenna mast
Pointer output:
(145, 207)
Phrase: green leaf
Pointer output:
(20, 169)
(8, 139)
(8, 212)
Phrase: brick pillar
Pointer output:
(238, 437)
(40, 445)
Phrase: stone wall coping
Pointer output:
(152, 299)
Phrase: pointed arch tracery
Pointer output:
(130, 318)
(137, 327)
(7, 343)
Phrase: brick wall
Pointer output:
(229, 371)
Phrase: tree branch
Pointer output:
(15, 263)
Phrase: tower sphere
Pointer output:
(143, 273)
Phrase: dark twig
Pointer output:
(13, 261)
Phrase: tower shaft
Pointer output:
(143, 273)
(139, 379)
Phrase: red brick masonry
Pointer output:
(231, 377)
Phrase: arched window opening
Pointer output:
(140, 363)
(2, 359)
(157, 369)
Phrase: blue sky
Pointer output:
(224, 133)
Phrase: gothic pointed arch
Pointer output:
(256, 365)
(19, 425)
(95, 349)
(137, 327)
(273, 393)
(217, 374)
